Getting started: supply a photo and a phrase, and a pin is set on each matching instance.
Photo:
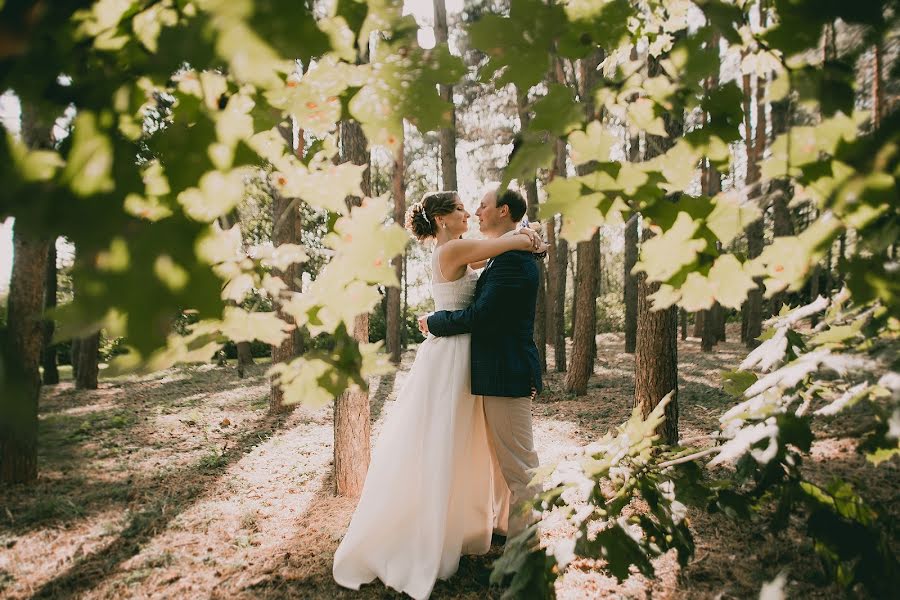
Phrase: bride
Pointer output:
(433, 491)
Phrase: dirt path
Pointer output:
(180, 485)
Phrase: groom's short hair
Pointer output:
(515, 202)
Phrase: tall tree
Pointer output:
(656, 352)
(87, 372)
(877, 86)
(751, 322)
(393, 317)
(244, 353)
(447, 134)
(285, 231)
(541, 312)
(630, 287)
(21, 341)
(584, 327)
(49, 351)
(782, 191)
(631, 255)
(352, 428)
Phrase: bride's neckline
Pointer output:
(435, 264)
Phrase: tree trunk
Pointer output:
(404, 338)
(244, 352)
(631, 254)
(683, 316)
(286, 351)
(656, 359)
(447, 134)
(752, 310)
(393, 319)
(597, 272)
(656, 352)
(48, 354)
(540, 310)
(552, 277)
(74, 351)
(352, 427)
(562, 265)
(877, 87)
(21, 347)
(541, 323)
(88, 362)
(585, 324)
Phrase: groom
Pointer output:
(505, 365)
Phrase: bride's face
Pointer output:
(458, 220)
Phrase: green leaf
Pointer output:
(592, 144)
(288, 26)
(731, 281)
(89, 164)
(642, 115)
(663, 256)
(557, 112)
(535, 152)
(735, 382)
(580, 214)
(523, 59)
(730, 217)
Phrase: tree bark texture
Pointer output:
(244, 352)
(393, 316)
(656, 352)
(656, 360)
(630, 287)
(21, 354)
(88, 371)
(352, 426)
(447, 134)
(541, 323)
(584, 329)
(48, 352)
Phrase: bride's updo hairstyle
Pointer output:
(420, 218)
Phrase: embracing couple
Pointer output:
(453, 462)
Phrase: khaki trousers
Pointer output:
(512, 443)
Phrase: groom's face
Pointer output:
(489, 216)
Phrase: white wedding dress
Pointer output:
(434, 490)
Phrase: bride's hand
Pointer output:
(533, 236)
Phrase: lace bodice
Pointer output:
(454, 295)
(451, 295)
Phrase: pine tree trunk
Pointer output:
(88, 362)
(244, 352)
(597, 273)
(393, 320)
(630, 287)
(684, 325)
(562, 258)
(782, 224)
(752, 310)
(584, 327)
(404, 338)
(20, 387)
(656, 352)
(552, 277)
(540, 310)
(49, 352)
(541, 324)
(877, 87)
(352, 427)
(447, 134)
(74, 352)
(286, 351)
(656, 359)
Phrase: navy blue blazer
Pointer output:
(505, 359)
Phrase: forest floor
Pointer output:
(180, 485)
